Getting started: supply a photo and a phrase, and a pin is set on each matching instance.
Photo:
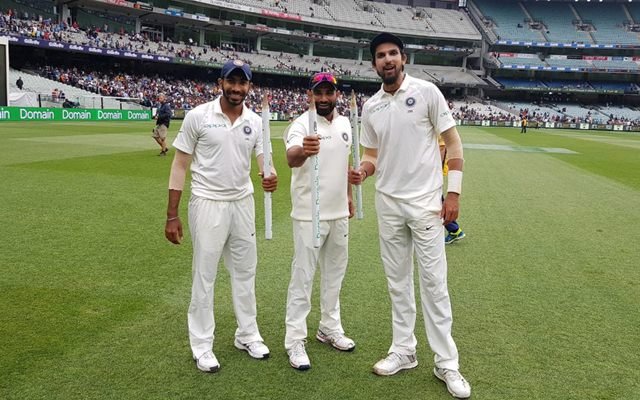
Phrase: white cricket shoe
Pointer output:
(456, 384)
(298, 356)
(337, 340)
(207, 362)
(255, 349)
(395, 362)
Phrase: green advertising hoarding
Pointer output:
(71, 114)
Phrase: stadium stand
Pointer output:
(616, 113)
(474, 110)
(522, 61)
(568, 63)
(509, 21)
(521, 83)
(46, 88)
(616, 64)
(368, 15)
(290, 36)
(557, 17)
(634, 12)
(608, 23)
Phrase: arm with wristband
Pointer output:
(453, 149)
(173, 226)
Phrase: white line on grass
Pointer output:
(523, 149)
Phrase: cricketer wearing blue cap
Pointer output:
(216, 140)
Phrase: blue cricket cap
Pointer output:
(233, 65)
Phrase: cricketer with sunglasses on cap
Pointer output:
(332, 145)
(400, 128)
(216, 139)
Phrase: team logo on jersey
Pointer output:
(345, 137)
(410, 102)
(247, 130)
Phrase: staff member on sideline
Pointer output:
(217, 139)
(163, 119)
(332, 144)
(400, 128)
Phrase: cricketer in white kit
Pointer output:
(333, 146)
(400, 128)
(216, 139)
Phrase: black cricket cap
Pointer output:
(384, 37)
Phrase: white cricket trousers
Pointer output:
(405, 228)
(332, 257)
(227, 229)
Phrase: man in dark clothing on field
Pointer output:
(163, 118)
(19, 83)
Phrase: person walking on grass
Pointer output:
(400, 128)
(216, 139)
(163, 119)
(332, 145)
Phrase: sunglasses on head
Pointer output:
(324, 77)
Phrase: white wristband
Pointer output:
(454, 181)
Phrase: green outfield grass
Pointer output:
(545, 288)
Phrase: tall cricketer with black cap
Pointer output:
(400, 128)
(216, 140)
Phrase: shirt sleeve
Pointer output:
(188, 134)
(368, 137)
(439, 111)
(295, 134)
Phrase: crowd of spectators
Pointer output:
(470, 113)
(286, 100)
(182, 93)
(589, 116)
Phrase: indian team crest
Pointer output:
(410, 102)
(345, 137)
(247, 130)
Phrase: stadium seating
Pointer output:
(558, 19)
(474, 110)
(568, 63)
(566, 84)
(43, 86)
(616, 64)
(515, 107)
(634, 10)
(509, 21)
(520, 83)
(405, 17)
(580, 111)
(369, 15)
(620, 113)
(522, 61)
(607, 22)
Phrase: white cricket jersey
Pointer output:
(404, 127)
(221, 151)
(333, 158)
